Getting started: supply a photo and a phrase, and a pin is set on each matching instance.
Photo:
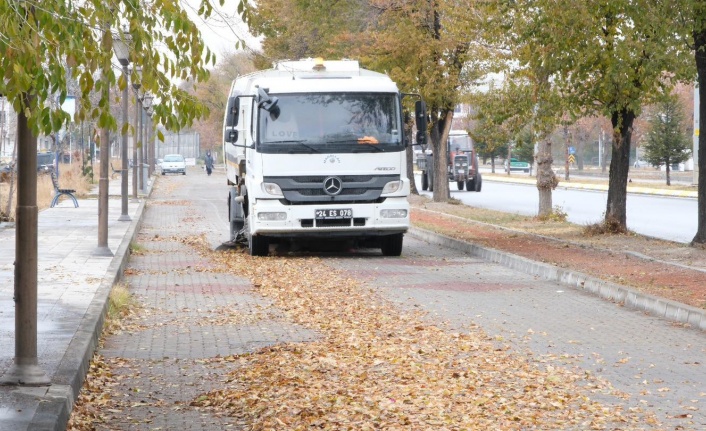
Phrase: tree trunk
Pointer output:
(509, 158)
(410, 158)
(410, 170)
(616, 208)
(700, 44)
(669, 182)
(546, 179)
(441, 155)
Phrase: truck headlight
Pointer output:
(272, 216)
(393, 213)
(391, 187)
(272, 189)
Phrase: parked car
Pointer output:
(174, 164)
(516, 165)
(5, 172)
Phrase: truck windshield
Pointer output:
(332, 122)
(460, 143)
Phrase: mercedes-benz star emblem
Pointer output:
(333, 186)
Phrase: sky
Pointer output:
(223, 28)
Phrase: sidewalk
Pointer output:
(73, 287)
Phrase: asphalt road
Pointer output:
(664, 217)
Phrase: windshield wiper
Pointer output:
(296, 141)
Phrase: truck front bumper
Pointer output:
(271, 218)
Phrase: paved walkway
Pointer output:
(73, 287)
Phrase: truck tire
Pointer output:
(258, 245)
(474, 185)
(460, 185)
(392, 244)
(425, 181)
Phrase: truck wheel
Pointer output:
(258, 245)
(392, 244)
(471, 185)
(425, 181)
(460, 185)
(479, 183)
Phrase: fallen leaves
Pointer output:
(373, 367)
(377, 367)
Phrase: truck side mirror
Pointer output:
(267, 102)
(231, 121)
(420, 116)
(232, 111)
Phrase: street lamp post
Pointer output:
(147, 104)
(138, 109)
(103, 180)
(150, 139)
(122, 51)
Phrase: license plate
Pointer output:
(334, 214)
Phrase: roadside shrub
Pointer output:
(605, 227)
(557, 215)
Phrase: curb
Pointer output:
(664, 308)
(55, 409)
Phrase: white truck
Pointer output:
(316, 150)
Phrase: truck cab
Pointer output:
(316, 150)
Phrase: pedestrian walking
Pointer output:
(209, 163)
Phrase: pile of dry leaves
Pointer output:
(377, 367)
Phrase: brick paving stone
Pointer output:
(189, 315)
(657, 364)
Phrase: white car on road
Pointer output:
(173, 163)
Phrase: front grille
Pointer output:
(310, 189)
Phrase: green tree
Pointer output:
(693, 30)
(625, 58)
(666, 141)
(424, 45)
(40, 45)
(597, 58)
(528, 99)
